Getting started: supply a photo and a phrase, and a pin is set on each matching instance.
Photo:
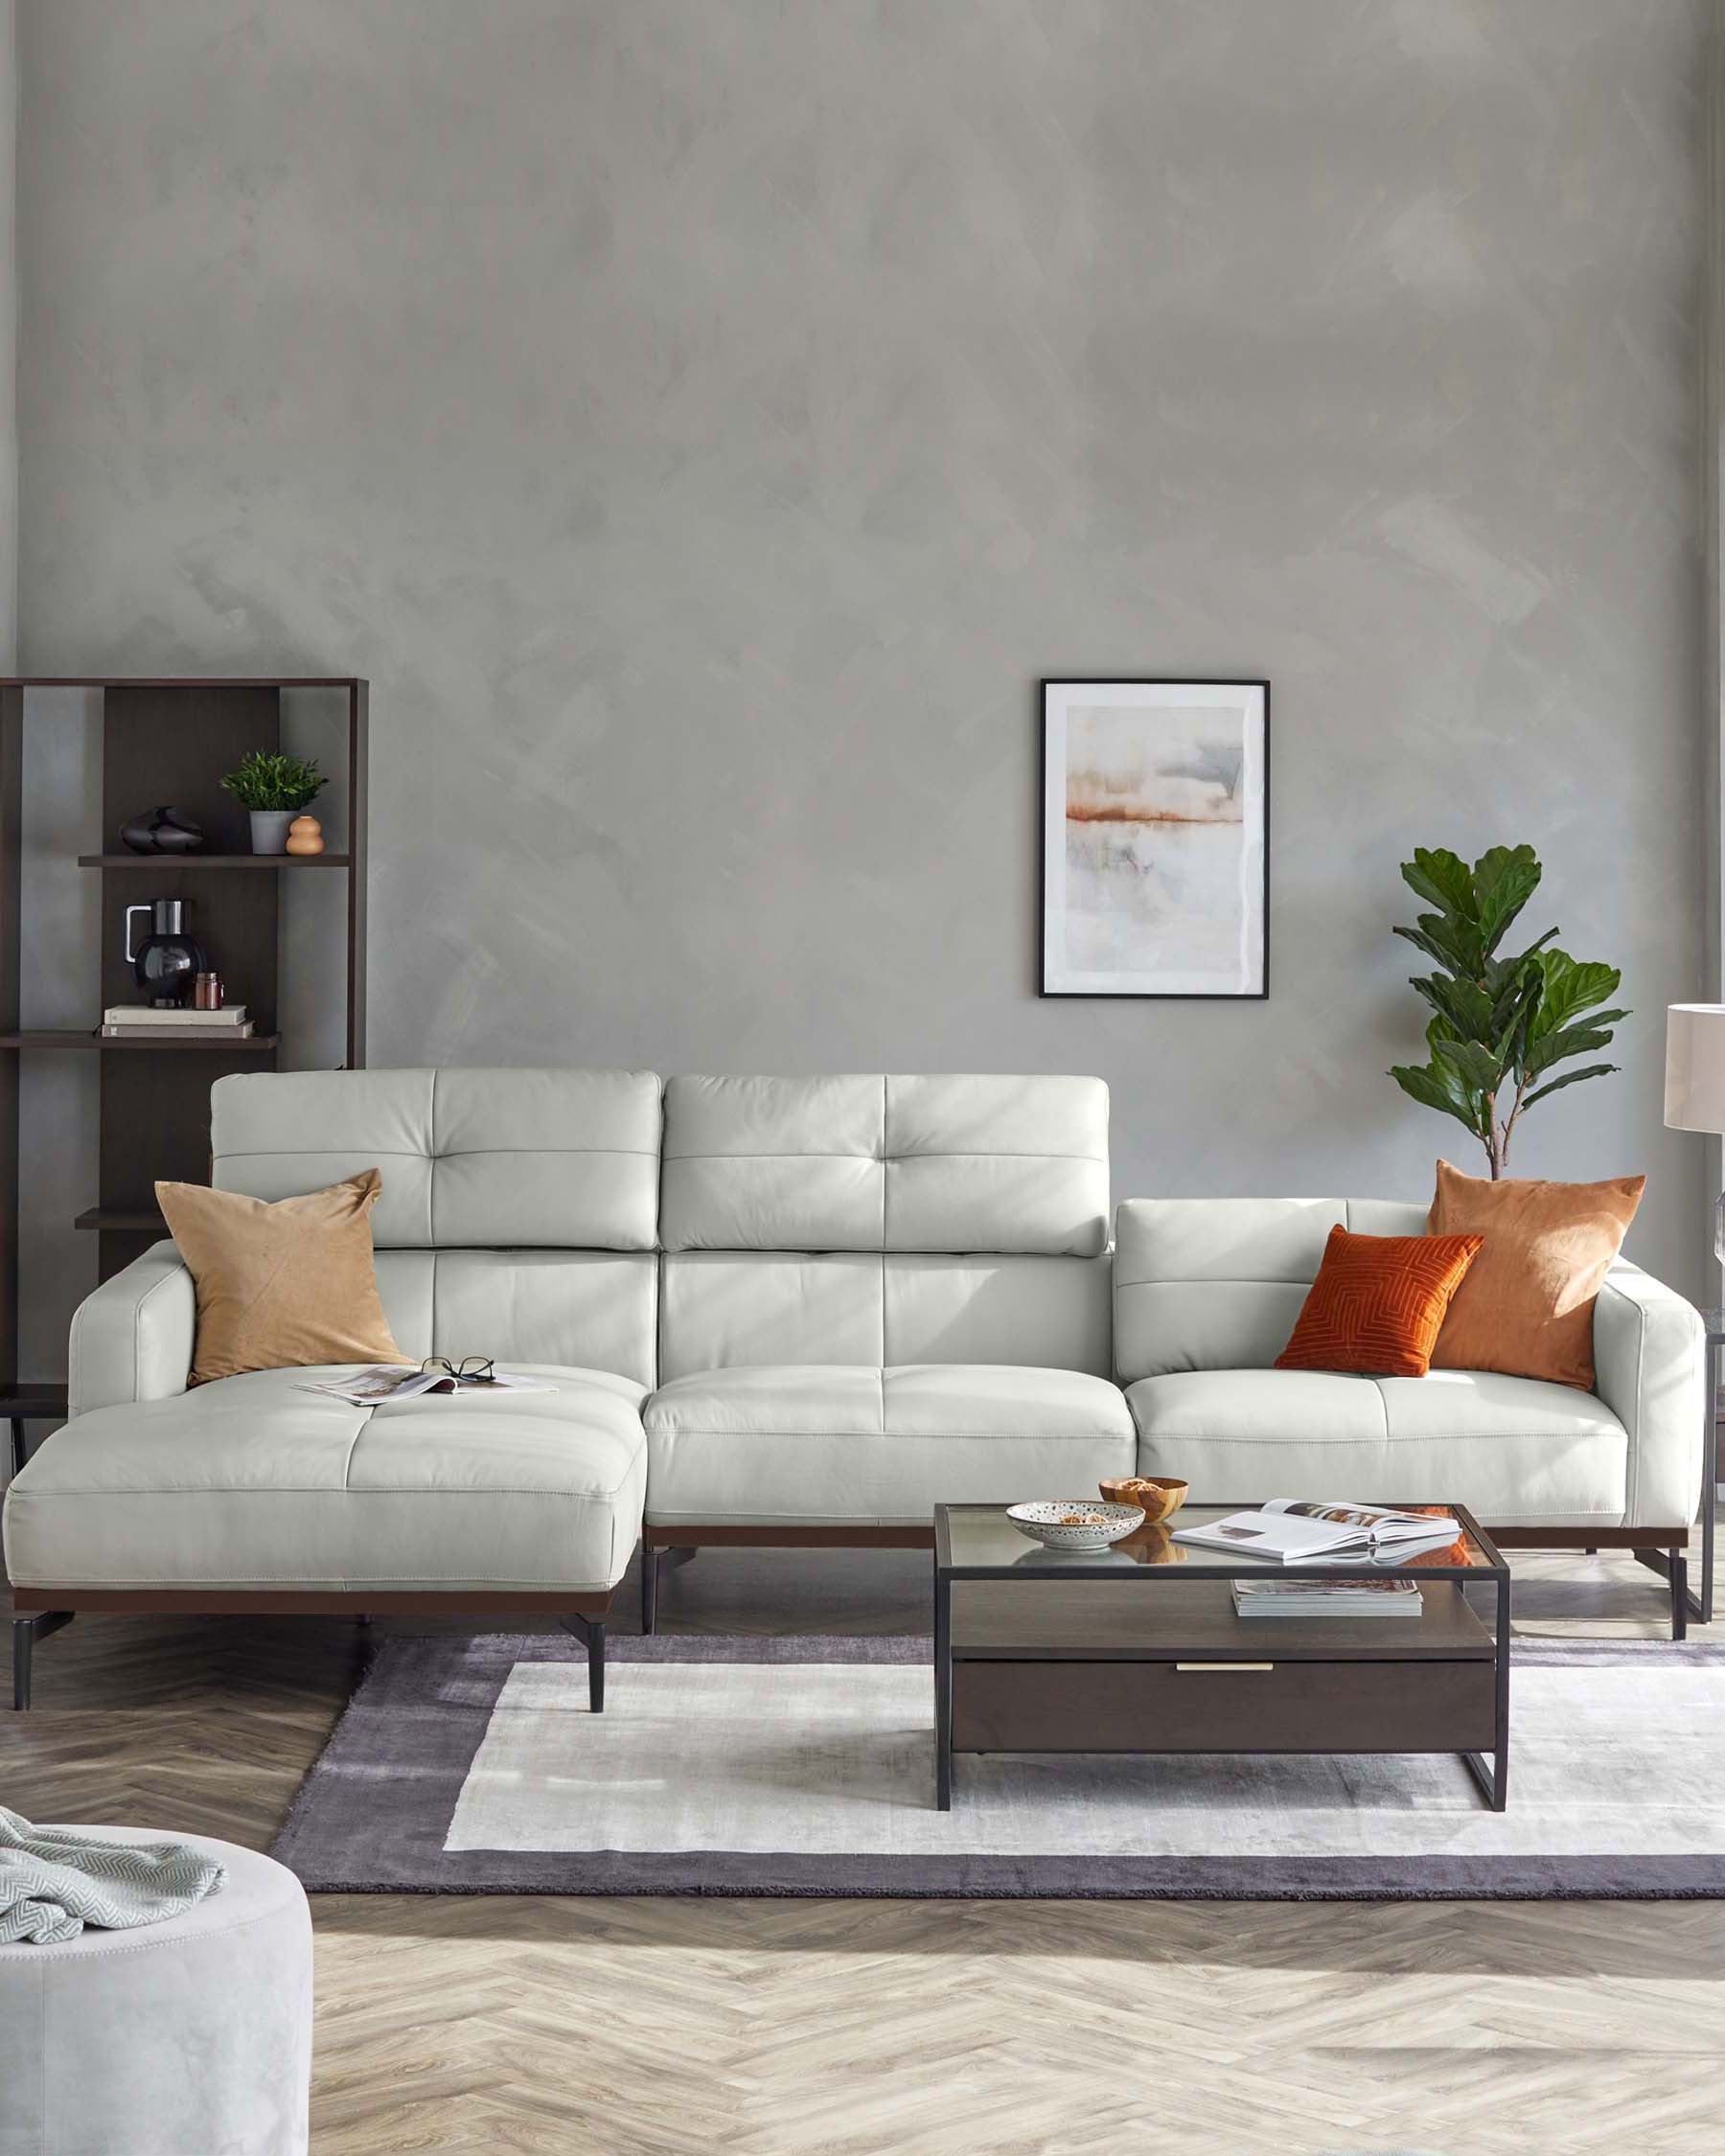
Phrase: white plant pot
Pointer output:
(269, 830)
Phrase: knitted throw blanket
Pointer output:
(53, 1881)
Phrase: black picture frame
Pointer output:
(1062, 682)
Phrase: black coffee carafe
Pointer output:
(168, 961)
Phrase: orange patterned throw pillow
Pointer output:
(1377, 1304)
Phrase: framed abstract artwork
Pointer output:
(1156, 839)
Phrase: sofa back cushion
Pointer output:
(519, 1210)
(885, 1220)
(879, 1163)
(548, 1160)
(719, 1308)
(1218, 1283)
(584, 1310)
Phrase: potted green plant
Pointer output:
(274, 789)
(1501, 1025)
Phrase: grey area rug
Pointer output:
(804, 1766)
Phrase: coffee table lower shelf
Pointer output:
(1166, 1671)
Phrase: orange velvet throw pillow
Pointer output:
(1377, 1304)
(1527, 1308)
(283, 1285)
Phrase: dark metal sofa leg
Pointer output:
(1673, 1567)
(592, 1630)
(650, 1582)
(26, 1631)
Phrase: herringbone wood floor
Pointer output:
(850, 2027)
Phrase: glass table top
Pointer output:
(981, 1538)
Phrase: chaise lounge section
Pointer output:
(517, 1219)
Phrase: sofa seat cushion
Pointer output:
(1515, 1450)
(253, 1482)
(855, 1445)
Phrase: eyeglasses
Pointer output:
(472, 1369)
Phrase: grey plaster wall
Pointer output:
(9, 334)
(704, 420)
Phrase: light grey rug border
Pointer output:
(372, 1815)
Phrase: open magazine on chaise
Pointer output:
(377, 1382)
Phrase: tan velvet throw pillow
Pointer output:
(281, 1285)
(1527, 1305)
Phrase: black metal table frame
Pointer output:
(1493, 1779)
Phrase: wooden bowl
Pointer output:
(1151, 1545)
(1159, 1496)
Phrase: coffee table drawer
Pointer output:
(1227, 1706)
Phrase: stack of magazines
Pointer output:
(1327, 1597)
(143, 1022)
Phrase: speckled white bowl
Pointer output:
(1046, 1522)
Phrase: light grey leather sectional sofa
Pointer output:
(774, 1311)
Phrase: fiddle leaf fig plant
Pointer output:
(1499, 1025)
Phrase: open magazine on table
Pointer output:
(379, 1382)
(1309, 1531)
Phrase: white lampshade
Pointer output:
(1695, 1097)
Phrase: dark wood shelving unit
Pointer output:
(110, 1221)
(294, 864)
(50, 1036)
(167, 740)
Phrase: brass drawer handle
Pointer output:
(1220, 1668)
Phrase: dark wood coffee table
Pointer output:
(1139, 1649)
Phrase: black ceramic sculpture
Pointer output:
(163, 831)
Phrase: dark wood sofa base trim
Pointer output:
(789, 1538)
(1588, 1538)
(39, 1611)
(270, 1601)
(1662, 1550)
(676, 1546)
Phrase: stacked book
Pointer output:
(142, 1021)
(1285, 1597)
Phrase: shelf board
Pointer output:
(43, 1036)
(183, 681)
(169, 865)
(113, 1220)
(34, 1403)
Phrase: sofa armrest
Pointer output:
(132, 1339)
(1650, 1364)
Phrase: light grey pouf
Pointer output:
(188, 2038)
